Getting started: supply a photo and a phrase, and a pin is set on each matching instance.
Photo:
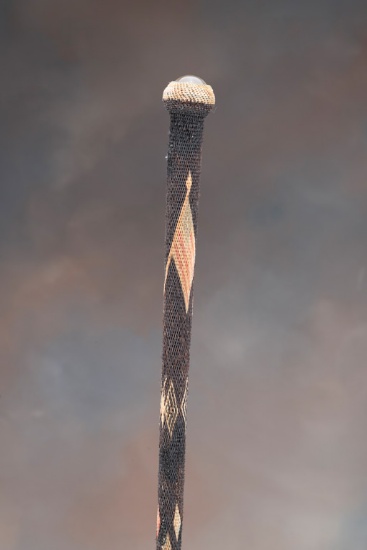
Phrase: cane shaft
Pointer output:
(182, 197)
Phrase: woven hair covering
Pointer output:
(188, 104)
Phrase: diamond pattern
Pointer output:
(163, 397)
(184, 400)
(177, 522)
(183, 247)
(158, 522)
(169, 407)
(167, 544)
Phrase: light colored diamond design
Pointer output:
(169, 407)
(184, 400)
(163, 398)
(158, 522)
(167, 544)
(183, 247)
(177, 522)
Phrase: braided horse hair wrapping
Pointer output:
(188, 104)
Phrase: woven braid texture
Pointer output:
(182, 196)
(188, 92)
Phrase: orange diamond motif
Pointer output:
(183, 247)
(158, 522)
(163, 399)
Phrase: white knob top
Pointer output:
(191, 78)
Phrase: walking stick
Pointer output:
(188, 101)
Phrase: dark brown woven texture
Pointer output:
(183, 173)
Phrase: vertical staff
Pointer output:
(188, 101)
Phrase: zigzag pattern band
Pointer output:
(188, 104)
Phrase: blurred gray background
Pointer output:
(277, 449)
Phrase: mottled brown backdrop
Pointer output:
(277, 411)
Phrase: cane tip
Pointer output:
(189, 92)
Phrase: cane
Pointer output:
(188, 101)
